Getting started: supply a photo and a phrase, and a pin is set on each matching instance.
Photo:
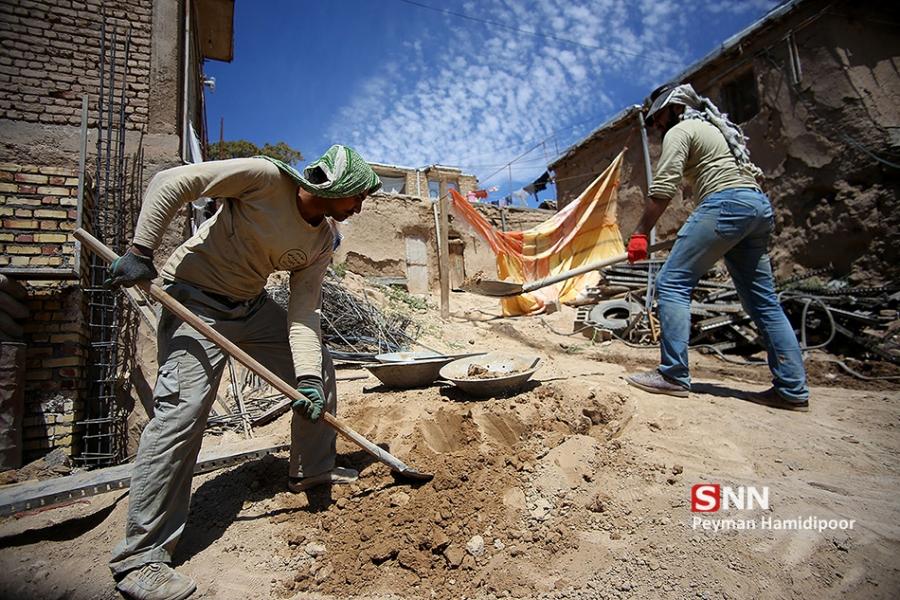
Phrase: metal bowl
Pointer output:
(409, 374)
(515, 371)
(395, 357)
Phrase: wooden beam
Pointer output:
(274, 412)
(444, 258)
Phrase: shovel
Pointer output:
(493, 287)
(401, 470)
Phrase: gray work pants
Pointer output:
(190, 367)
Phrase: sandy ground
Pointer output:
(577, 487)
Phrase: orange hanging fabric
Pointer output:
(584, 231)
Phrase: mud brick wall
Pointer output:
(50, 52)
(37, 213)
(57, 342)
(825, 144)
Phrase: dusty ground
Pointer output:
(578, 487)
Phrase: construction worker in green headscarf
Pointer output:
(271, 218)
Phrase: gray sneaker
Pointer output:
(156, 581)
(655, 383)
(336, 475)
(772, 398)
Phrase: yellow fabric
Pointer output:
(585, 231)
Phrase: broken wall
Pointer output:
(828, 143)
(395, 237)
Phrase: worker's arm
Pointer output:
(670, 168)
(171, 189)
(669, 171)
(652, 212)
(304, 317)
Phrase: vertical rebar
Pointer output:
(103, 426)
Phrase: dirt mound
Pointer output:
(503, 470)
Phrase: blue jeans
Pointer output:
(735, 224)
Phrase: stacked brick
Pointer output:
(57, 343)
(38, 214)
(50, 53)
(38, 210)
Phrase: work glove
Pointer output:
(637, 247)
(130, 269)
(313, 405)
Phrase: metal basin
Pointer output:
(513, 372)
(409, 374)
(395, 357)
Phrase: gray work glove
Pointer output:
(313, 405)
(130, 269)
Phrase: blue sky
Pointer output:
(413, 86)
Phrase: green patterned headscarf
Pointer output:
(339, 173)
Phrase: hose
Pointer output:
(807, 300)
(860, 375)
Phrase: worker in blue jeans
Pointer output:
(732, 221)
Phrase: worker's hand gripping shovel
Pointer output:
(502, 289)
(397, 466)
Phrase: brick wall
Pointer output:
(37, 213)
(49, 57)
(57, 342)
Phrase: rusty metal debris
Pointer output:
(827, 313)
(353, 327)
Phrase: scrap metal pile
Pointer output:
(353, 327)
(826, 313)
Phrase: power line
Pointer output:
(544, 137)
(636, 55)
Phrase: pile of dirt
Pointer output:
(511, 476)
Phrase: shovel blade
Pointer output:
(492, 287)
(411, 475)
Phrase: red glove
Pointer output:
(637, 247)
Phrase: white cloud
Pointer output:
(492, 93)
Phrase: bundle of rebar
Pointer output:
(111, 219)
(352, 325)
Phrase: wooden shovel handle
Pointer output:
(239, 355)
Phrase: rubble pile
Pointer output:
(354, 327)
(827, 313)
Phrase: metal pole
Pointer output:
(651, 275)
(444, 257)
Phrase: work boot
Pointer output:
(772, 398)
(156, 581)
(655, 383)
(336, 475)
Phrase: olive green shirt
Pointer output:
(697, 151)
(257, 230)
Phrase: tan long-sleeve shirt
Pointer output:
(697, 151)
(257, 230)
